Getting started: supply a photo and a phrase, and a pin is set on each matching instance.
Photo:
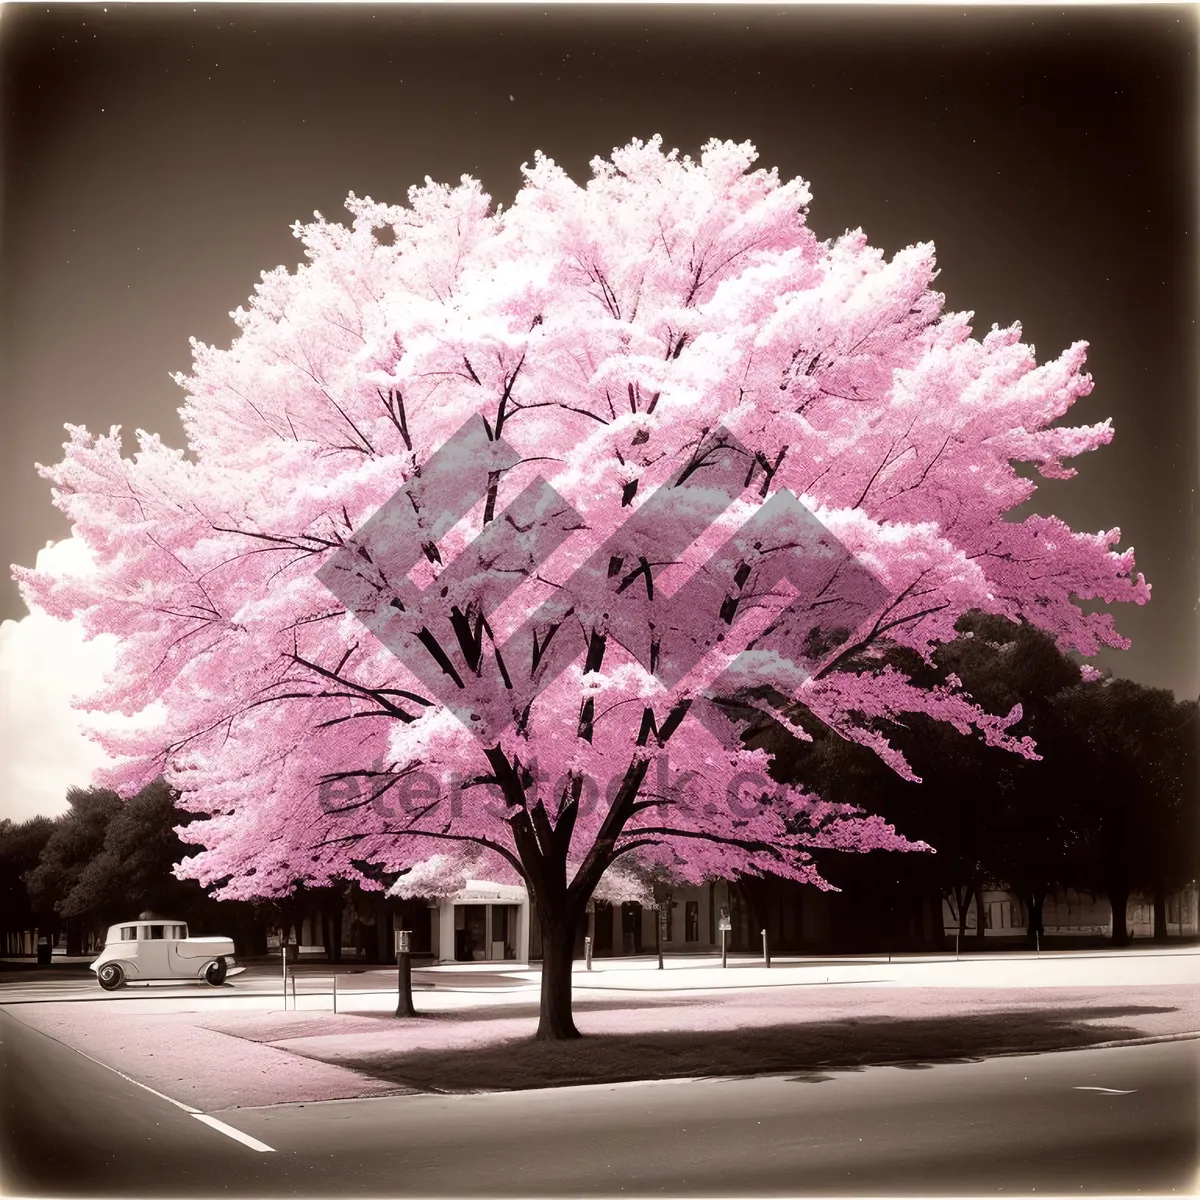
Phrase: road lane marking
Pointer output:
(236, 1134)
(83, 1054)
(212, 1122)
(1106, 1091)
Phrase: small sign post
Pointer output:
(726, 925)
(766, 950)
(404, 1000)
(587, 952)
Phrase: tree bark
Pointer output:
(331, 924)
(1118, 897)
(1160, 913)
(555, 1021)
(962, 901)
(1035, 902)
(327, 932)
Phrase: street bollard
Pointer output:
(587, 952)
(766, 949)
(662, 923)
(335, 991)
(404, 1000)
(724, 958)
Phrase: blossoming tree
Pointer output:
(485, 513)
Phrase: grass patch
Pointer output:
(800, 1047)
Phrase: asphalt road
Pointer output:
(1089, 1121)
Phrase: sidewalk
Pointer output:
(1115, 968)
(458, 986)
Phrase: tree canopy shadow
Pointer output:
(809, 1049)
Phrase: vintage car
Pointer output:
(143, 950)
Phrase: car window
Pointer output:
(178, 931)
(156, 932)
(129, 933)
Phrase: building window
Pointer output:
(692, 919)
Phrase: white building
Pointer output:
(490, 922)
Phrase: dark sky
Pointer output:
(154, 158)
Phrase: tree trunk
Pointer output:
(331, 928)
(1035, 902)
(757, 917)
(1118, 897)
(555, 1022)
(327, 932)
(962, 900)
(1160, 913)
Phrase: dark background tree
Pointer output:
(20, 847)
(107, 859)
(1133, 751)
(1109, 806)
(77, 839)
(1035, 812)
(132, 869)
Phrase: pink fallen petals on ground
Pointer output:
(631, 1015)
(217, 1060)
(177, 1056)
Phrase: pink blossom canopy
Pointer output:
(601, 334)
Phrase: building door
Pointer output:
(504, 931)
(631, 927)
(470, 932)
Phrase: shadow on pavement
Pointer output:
(812, 1049)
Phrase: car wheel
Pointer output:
(111, 977)
(215, 972)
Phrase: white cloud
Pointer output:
(43, 664)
